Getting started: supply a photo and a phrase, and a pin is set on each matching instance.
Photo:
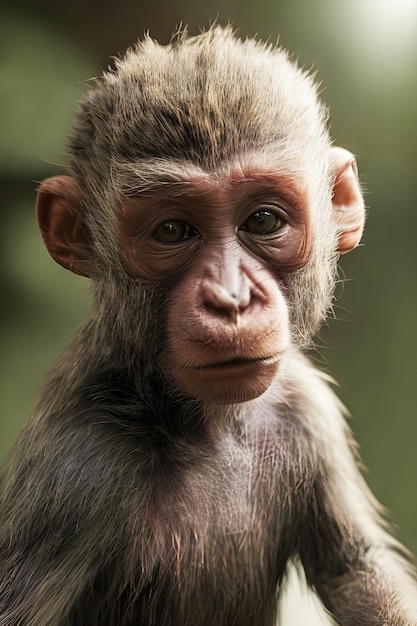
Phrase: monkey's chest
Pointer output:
(215, 544)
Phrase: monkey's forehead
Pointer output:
(180, 176)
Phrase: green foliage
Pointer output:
(40, 83)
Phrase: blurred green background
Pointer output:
(365, 54)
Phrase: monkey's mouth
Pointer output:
(238, 363)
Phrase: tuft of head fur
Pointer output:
(200, 99)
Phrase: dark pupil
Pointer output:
(262, 222)
(170, 227)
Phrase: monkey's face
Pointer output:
(232, 246)
(229, 246)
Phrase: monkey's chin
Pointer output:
(228, 382)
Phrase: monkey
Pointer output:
(185, 449)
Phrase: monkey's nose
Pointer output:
(218, 300)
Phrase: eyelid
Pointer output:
(274, 205)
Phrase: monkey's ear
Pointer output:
(347, 199)
(58, 208)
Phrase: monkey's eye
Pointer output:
(263, 223)
(173, 231)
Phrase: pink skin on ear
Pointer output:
(347, 199)
(58, 209)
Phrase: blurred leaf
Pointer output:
(40, 76)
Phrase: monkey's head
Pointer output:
(204, 169)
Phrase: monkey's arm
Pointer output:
(54, 529)
(361, 573)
